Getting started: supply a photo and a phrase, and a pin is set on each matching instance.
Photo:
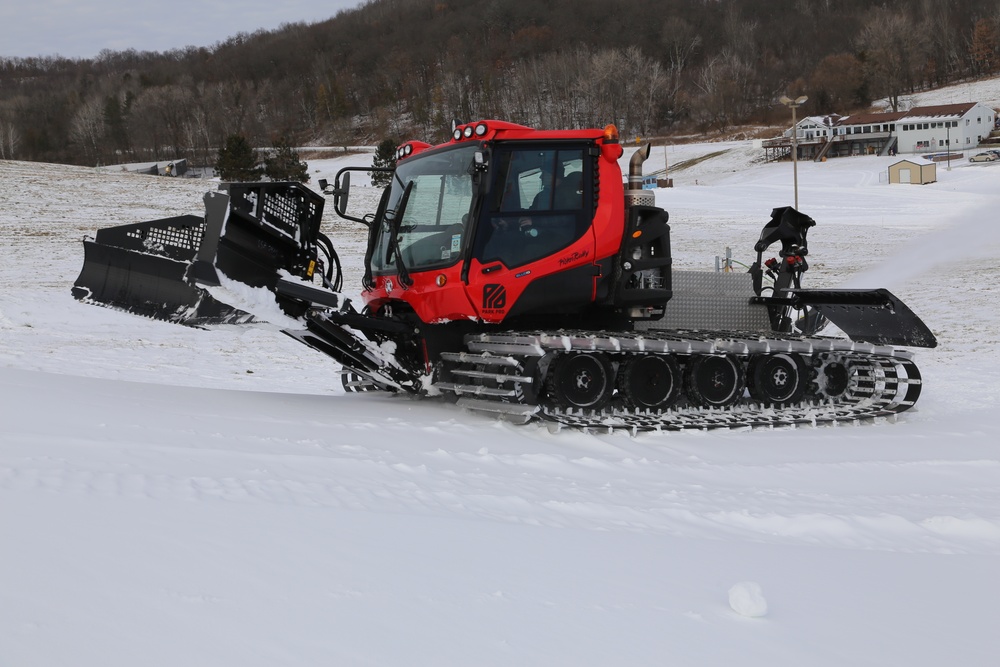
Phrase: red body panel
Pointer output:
(430, 302)
(483, 278)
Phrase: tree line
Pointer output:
(407, 68)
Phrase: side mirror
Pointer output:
(340, 193)
(341, 188)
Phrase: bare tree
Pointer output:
(10, 137)
(725, 86)
(87, 128)
(984, 50)
(893, 50)
(835, 84)
(648, 83)
(945, 57)
(681, 43)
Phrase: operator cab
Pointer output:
(532, 203)
(491, 218)
(508, 224)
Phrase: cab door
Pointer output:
(534, 232)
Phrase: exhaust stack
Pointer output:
(634, 194)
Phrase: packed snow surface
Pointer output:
(176, 496)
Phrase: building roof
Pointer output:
(940, 110)
(826, 120)
(916, 113)
(869, 118)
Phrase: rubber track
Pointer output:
(886, 383)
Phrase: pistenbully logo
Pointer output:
(494, 297)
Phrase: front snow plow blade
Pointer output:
(143, 269)
(251, 233)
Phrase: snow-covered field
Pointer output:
(171, 496)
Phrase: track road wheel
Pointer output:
(650, 382)
(578, 380)
(776, 378)
(714, 381)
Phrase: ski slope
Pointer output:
(212, 497)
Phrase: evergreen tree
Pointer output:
(237, 161)
(283, 164)
(385, 156)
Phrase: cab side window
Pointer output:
(538, 207)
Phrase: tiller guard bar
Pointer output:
(872, 316)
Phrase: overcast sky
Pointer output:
(82, 28)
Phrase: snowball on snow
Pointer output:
(747, 599)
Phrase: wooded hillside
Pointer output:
(406, 68)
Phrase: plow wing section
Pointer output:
(251, 233)
(872, 316)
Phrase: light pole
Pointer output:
(793, 105)
(949, 144)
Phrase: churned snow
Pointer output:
(175, 496)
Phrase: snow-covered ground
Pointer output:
(986, 91)
(171, 496)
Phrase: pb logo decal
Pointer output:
(494, 297)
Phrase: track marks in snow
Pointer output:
(671, 494)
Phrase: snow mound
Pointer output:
(747, 599)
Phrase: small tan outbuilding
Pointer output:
(907, 171)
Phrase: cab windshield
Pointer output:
(435, 219)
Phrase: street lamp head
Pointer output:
(789, 102)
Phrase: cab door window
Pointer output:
(538, 206)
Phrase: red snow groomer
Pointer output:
(517, 270)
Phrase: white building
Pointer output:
(945, 127)
(920, 130)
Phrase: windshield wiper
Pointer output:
(395, 219)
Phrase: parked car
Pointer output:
(994, 152)
(983, 157)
